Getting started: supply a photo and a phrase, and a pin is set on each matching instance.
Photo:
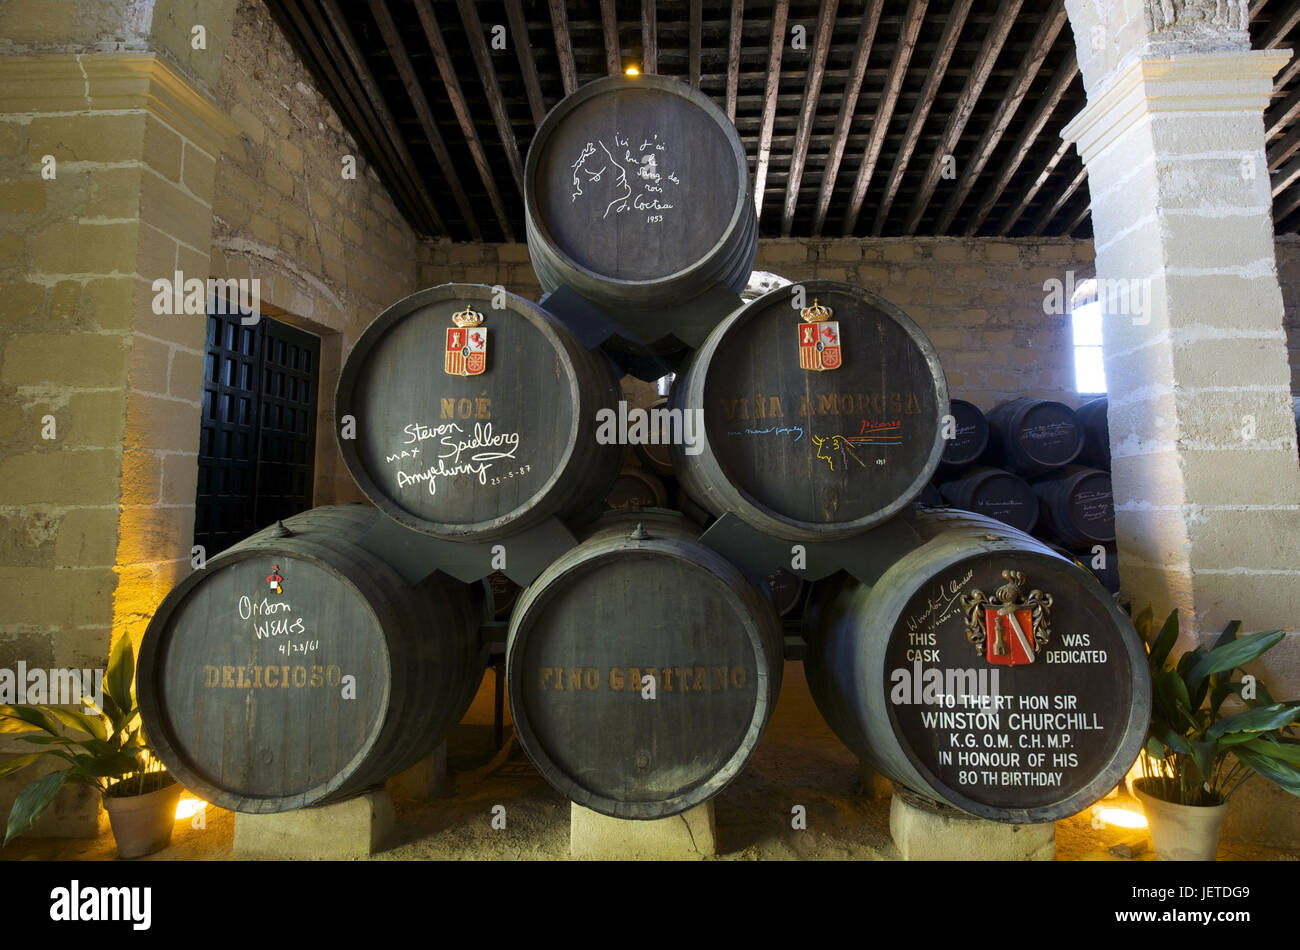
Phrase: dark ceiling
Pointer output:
(446, 117)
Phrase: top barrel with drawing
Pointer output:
(637, 194)
(821, 413)
(473, 415)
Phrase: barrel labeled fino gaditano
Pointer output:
(642, 668)
(299, 667)
(982, 670)
(821, 406)
(637, 195)
(473, 415)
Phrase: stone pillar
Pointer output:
(106, 176)
(1207, 485)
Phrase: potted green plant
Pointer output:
(106, 749)
(1209, 733)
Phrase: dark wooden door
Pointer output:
(258, 438)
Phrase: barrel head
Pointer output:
(804, 453)
(451, 454)
(249, 681)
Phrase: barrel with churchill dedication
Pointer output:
(475, 414)
(983, 670)
(823, 407)
(642, 668)
(299, 667)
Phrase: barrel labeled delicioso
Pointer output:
(822, 406)
(637, 194)
(982, 670)
(300, 667)
(475, 414)
(642, 668)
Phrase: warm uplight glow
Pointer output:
(632, 71)
(188, 807)
(1123, 818)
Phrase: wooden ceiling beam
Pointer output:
(1285, 177)
(564, 46)
(696, 38)
(1285, 76)
(1047, 104)
(488, 77)
(1013, 214)
(1285, 206)
(609, 28)
(527, 66)
(368, 129)
(952, 27)
(406, 72)
(848, 106)
(994, 40)
(885, 110)
(357, 61)
(769, 102)
(1047, 214)
(649, 38)
(1284, 148)
(1078, 219)
(1283, 24)
(1278, 118)
(811, 96)
(734, 43)
(442, 59)
(1039, 47)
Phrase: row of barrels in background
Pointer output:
(642, 666)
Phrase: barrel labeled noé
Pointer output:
(642, 668)
(982, 670)
(475, 414)
(821, 406)
(637, 194)
(299, 667)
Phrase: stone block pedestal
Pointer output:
(689, 836)
(355, 828)
(928, 831)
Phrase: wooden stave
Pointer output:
(702, 477)
(728, 263)
(579, 482)
(835, 659)
(403, 611)
(671, 534)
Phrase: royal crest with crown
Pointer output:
(466, 353)
(819, 339)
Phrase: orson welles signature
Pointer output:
(471, 455)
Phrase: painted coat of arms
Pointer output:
(1010, 629)
(466, 351)
(819, 339)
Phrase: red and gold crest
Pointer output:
(466, 352)
(1010, 629)
(819, 339)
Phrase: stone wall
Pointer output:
(979, 301)
(330, 252)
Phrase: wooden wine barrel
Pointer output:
(504, 594)
(1076, 504)
(637, 194)
(1033, 436)
(1104, 567)
(930, 497)
(635, 488)
(1065, 728)
(301, 668)
(994, 493)
(1096, 433)
(970, 437)
(804, 454)
(642, 597)
(787, 591)
(656, 457)
(475, 457)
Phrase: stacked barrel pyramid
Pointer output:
(963, 658)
